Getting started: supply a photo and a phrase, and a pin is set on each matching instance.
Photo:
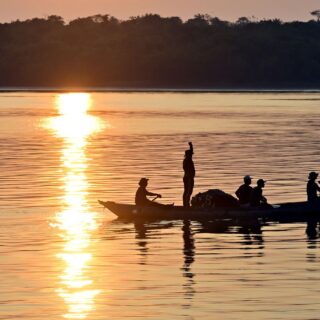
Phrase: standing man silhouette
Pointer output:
(189, 174)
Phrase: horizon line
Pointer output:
(252, 18)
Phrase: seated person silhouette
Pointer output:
(257, 199)
(244, 192)
(141, 199)
(313, 189)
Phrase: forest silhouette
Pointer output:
(153, 51)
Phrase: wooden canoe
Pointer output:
(290, 212)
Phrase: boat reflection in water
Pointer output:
(311, 229)
(75, 221)
(250, 239)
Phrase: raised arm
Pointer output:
(191, 146)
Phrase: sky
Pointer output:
(286, 10)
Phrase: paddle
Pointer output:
(155, 198)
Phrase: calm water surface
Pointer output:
(62, 256)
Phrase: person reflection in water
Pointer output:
(189, 174)
(141, 199)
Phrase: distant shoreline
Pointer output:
(156, 90)
(151, 53)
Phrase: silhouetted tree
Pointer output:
(217, 23)
(200, 20)
(243, 20)
(55, 20)
(316, 13)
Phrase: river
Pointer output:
(63, 256)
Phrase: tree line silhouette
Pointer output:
(153, 51)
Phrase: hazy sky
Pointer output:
(224, 9)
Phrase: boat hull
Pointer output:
(290, 212)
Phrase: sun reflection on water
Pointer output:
(76, 221)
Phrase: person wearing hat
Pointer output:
(313, 188)
(189, 174)
(257, 199)
(142, 193)
(244, 192)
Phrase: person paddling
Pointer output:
(141, 199)
(189, 174)
(244, 192)
(313, 189)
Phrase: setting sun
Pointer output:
(74, 123)
(74, 104)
